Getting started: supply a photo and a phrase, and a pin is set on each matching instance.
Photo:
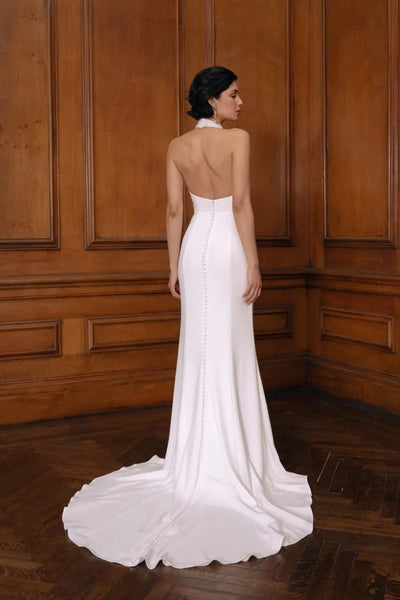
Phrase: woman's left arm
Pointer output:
(174, 217)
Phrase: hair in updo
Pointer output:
(208, 83)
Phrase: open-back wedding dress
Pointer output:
(221, 492)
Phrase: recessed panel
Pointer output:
(360, 114)
(254, 40)
(131, 82)
(29, 339)
(122, 332)
(358, 328)
(28, 162)
(273, 322)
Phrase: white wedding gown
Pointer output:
(221, 492)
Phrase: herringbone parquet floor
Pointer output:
(352, 458)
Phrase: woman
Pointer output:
(221, 492)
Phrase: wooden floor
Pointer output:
(352, 458)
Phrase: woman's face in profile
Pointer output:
(229, 104)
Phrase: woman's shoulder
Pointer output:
(178, 140)
(239, 133)
(235, 135)
(239, 138)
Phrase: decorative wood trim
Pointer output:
(284, 332)
(102, 284)
(387, 321)
(93, 323)
(92, 240)
(180, 75)
(53, 241)
(391, 239)
(353, 281)
(54, 349)
(209, 33)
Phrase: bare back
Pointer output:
(204, 159)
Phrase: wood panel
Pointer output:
(360, 329)
(263, 60)
(351, 327)
(360, 122)
(353, 344)
(125, 159)
(132, 331)
(28, 152)
(28, 339)
(273, 321)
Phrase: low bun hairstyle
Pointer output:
(208, 83)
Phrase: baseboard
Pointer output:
(25, 401)
(376, 388)
(283, 371)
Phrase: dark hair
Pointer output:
(208, 83)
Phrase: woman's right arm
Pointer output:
(243, 212)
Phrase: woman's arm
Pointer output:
(243, 212)
(174, 217)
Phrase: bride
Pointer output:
(221, 492)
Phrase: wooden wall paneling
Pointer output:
(280, 329)
(132, 331)
(263, 62)
(128, 359)
(125, 68)
(194, 57)
(358, 328)
(151, 307)
(25, 339)
(316, 256)
(28, 153)
(353, 292)
(24, 400)
(367, 329)
(131, 108)
(353, 342)
(273, 321)
(359, 119)
(344, 379)
(130, 363)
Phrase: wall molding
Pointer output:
(386, 322)
(28, 335)
(353, 281)
(98, 326)
(209, 33)
(80, 284)
(285, 331)
(101, 284)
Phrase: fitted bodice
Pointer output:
(208, 204)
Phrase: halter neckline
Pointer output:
(205, 122)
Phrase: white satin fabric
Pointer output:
(221, 492)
